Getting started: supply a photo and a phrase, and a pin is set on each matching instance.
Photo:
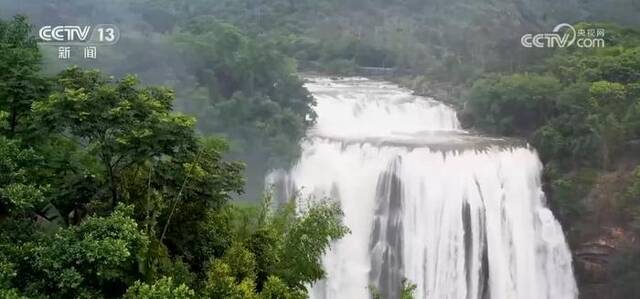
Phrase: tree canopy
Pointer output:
(106, 192)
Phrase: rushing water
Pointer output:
(460, 216)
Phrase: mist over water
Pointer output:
(460, 216)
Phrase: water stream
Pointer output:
(458, 215)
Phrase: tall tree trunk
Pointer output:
(112, 180)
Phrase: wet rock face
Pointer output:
(593, 261)
(466, 120)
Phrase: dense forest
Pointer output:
(107, 191)
(581, 110)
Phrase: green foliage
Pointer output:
(578, 110)
(407, 291)
(20, 83)
(275, 288)
(513, 104)
(10, 294)
(162, 289)
(4, 120)
(454, 40)
(242, 262)
(252, 94)
(106, 192)
(279, 256)
(568, 193)
(265, 243)
(608, 103)
(631, 200)
(22, 197)
(306, 240)
(222, 284)
(120, 123)
(613, 63)
(18, 193)
(100, 256)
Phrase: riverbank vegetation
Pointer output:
(124, 161)
(106, 192)
(580, 108)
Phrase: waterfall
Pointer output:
(458, 215)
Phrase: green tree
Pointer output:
(632, 200)
(222, 284)
(10, 294)
(253, 95)
(608, 106)
(120, 123)
(20, 82)
(115, 195)
(517, 103)
(19, 194)
(408, 289)
(305, 240)
(100, 258)
(162, 289)
(275, 288)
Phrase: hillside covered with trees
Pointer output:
(580, 108)
(120, 195)
(105, 192)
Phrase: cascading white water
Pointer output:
(460, 216)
